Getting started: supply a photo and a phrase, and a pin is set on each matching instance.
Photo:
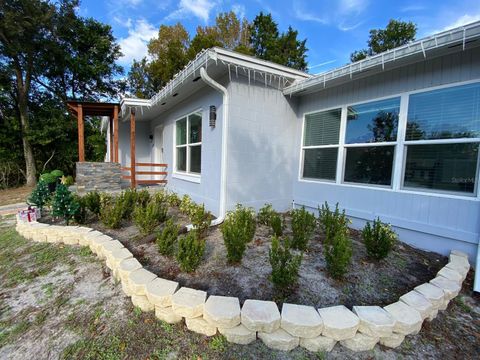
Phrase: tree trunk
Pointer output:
(31, 171)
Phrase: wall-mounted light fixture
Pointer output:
(150, 137)
(213, 116)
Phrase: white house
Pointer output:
(394, 136)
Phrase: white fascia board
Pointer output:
(444, 39)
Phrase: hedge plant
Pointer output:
(190, 251)
(379, 239)
(285, 264)
(238, 229)
(277, 224)
(148, 217)
(111, 211)
(167, 238)
(303, 227)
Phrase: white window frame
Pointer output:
(398, 171)
(187, 175)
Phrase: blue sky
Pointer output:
(333, 28)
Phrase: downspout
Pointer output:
(223, 167)
(476, 282)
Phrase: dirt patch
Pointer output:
(14, 195)
(368, 282)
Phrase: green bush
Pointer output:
(81, 215)
(379, 239)
(143, 197)
(57, 173)
(200, 219)
(238, 229)
(186, 205)
(148, 217)
(337, 244)
(303, 227)
(167, 238)
(276, 223)
(64, 205)
(129, 199)
(173, 199)
(40, 195)
(92, 202)
(111, 211)
(265, 214)
(190, 251)
(67, 180)
(285, 265)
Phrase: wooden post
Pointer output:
(115, 134)
(81, 135)
(132, 149)
(110, 140)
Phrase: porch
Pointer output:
(112, 174)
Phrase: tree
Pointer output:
(396, 33)
(263, 35)
(48, 53)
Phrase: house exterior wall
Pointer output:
(426, 220)
(261, 141)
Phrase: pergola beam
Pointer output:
(81, 134)
(115, 134)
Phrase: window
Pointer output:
(442, 139)
(370, 140)
(188, 144)
(320, 144)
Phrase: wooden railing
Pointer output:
(135, 180)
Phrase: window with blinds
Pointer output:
(320, 144)
(188, 144)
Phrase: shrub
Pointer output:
(111, 211)
(303, 226)
(379, 239)
(81, 215)
(57, 173)
(148, 217)
(64, 205)
(190, 251)
(276, 222)
(332, 222)
(338, 253)
(161, 197)
(173, 199)
(186, 205)
(67, 180)
(39, 195)
(238, 229)
(50, 180)
(200, 219)
(129, 199)
(285, 264)
(265, 214)
(167, 238)
(92, 202)
(143, 197)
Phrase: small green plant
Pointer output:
(265, 214)
(303, 227)
(129, 199)
(200, 219)
(332, 222)
(238, 229)
(276, 223)
(143, 197)
(173, 199)
(167, 238)
(81, 214)
(67, 180)
(111, 211)
(190, 251)
(64, 205)
(285, 265)
(148, 217)
(57, 173)
(186, 205)
(92, 202)
(218, 343)
(40, 195)
(379, 239)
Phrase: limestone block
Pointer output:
(167, 314)
(432, 293)
(126, 267)
(96, 242)
(460, 261)
(106, 249)
(189, 302)
(319, 343)
(392, 341)
(87, 238)
(449, 287)
(419, 303)
(459, 253)
(339, 323)
(360, 342)
(279, 340)
(200, 326)
(458, 268)
(126, 289)
(258, 315)
(142, 302)
(138, 279)
(222, 311)
(408, 320)
(374, 321)
(450, 274)
(302, 321)
(117, 256)
(159, 292)
(238, 335)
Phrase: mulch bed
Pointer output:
(367, 282)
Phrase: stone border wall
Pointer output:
(296, 325)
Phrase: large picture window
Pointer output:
(442, 139)
(370, 140)
(188, 144)
(320, 144)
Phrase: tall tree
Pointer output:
(47, 49)
(263, 35)
(396, 33)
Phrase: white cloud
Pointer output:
(197, 8)
(134, 46)
(352, 6)
(412, 8)
(239, 10)
(462, 20)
